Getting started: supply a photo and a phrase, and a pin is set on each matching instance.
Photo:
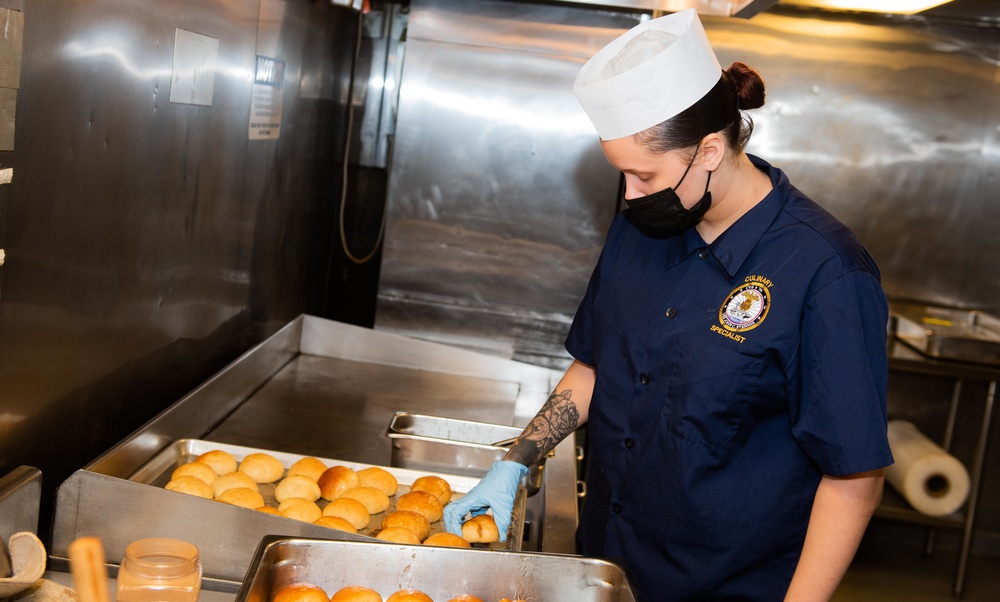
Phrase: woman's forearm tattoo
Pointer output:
(557, 419)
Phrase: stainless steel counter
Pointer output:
(320, 388)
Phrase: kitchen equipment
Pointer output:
(158, 470)
(949, 333)
(441, 573)
(462, 447)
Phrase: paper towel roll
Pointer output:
(933, 481)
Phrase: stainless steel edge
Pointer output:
(20, 497)
(120, 511)
(439, 572)
(197, 412)
(561, 512)
(335, 339)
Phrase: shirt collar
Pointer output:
(734, 245)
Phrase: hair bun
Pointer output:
(748, 84)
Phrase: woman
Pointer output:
(729, 354)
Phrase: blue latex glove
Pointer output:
(495, 490)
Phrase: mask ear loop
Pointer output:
(690, 163)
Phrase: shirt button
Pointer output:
(616, 508)
(670, 313)
(702, 254)
(644, 379)
(629, 443)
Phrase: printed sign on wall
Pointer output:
(267, 96)
(192, 80)
(11, 35)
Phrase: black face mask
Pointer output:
(661, 214)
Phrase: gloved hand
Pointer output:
(495, 490)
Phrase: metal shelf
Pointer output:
(904, 359)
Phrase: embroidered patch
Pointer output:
(746, 307)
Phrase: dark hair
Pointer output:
(739, 89)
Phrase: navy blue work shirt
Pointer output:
(730, 377)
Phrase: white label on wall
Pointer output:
(192, 80)
(267, 96)
(11, 36)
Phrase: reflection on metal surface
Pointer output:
(150, 242)
(898, 7)
(499, 194)
(315, 387)
(20, 499)
(887, 122)
(719, 8)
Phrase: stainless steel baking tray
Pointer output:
(158, 470)
(463, 447)
(948, 333)
(441, 573)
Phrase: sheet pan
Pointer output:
(158, 470)
(441, 573)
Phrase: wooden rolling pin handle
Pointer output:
(90, 574)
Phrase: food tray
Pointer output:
(441, 573)
(948, 333)
(462, 447)
(158, 470)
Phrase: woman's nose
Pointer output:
(632, 191)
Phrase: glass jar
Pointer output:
(159, 570)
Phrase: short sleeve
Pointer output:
(580, 340)
(839, 412)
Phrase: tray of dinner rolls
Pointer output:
(386, 504)
(291, 569)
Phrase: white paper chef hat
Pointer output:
(647, 75)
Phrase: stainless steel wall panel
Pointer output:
(150, 242)
(499, 196)
(891, 125)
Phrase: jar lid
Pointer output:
(161, 557)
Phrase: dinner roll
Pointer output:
(356, 593)
(350, 510)
(296, 486)
(421, 502)
(309, 467)
(269, 510)
(373, 499)
(335, 522)
(379, 478)
(262, 468)
(198, 470)
(435, 486)
(409, 595)
(191, 486)
(241, 496)
(466, 598)
(398, 535)
(300, 509)
(301, 592)
(222, 462)
(231, 480)
(408, 520)
(336, 480)
(480, 529)
(446, 539)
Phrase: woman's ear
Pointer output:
(713, 150)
